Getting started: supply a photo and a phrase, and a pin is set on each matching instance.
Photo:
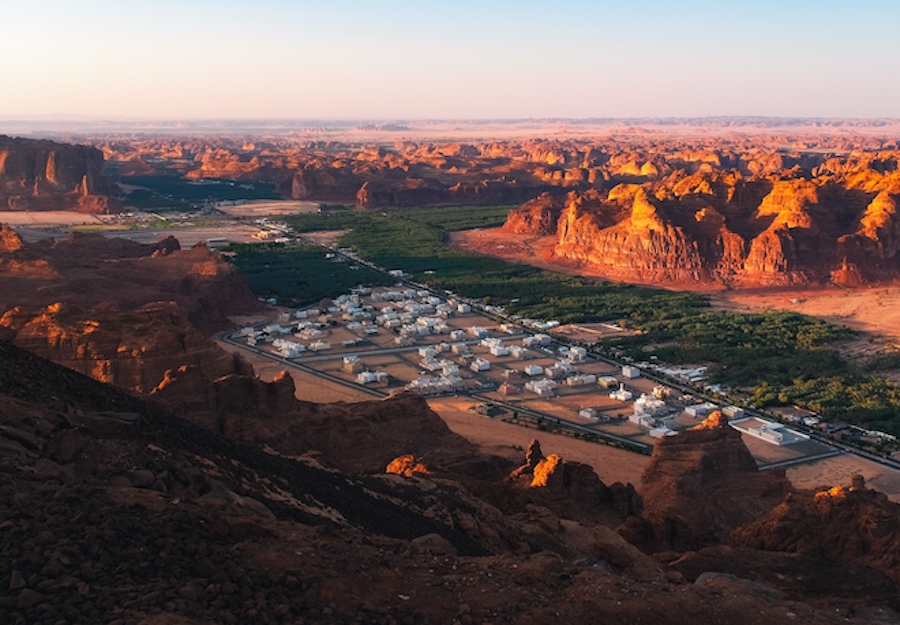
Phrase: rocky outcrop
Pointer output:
(718, 225)
(702, 484)
(355, 438)
(10, 241)
(130, 349)
(570, 490)
(45, 175)
(851, 525)
(91, 271)
(180, 519)
(536, 217)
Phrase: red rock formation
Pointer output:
(10, 241)
(570, 490)
(538, 216)
(721, 229)
(130, 349)
(702, 483)
(90, 271)
(855, 526)
(406, 465)
(355, 438)
(44, 175)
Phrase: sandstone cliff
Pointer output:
(45, 175)
(722, 229)
(702, 484)
(851, 525)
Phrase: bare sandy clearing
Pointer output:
(496, 437)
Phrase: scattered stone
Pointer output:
(16, 581)
(28, 598)
(142, 478)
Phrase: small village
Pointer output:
(388, 339)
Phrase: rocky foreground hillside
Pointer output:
(114, 510)
(46, 175)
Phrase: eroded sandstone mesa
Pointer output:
(729, 226)
(702, 484)
(45, 175)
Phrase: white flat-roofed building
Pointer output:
(733, 412)
(621, 393)
(499, 350)
(631, 372)
(588, 413)
(542, 388)
(649, 405)
(642, 420)
(768, 431)
(533, 370)
(480, 364)
(518, 352)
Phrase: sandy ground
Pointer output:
(263, 208)
(496, 437)
(838, 471)
(874, 310)
(308, 387)
(46, 218)
(190, 236)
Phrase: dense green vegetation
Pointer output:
(299, 275)
(775, 358)
(170, 192)
(415, 241)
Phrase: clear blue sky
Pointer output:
(395, 59)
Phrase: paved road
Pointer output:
(384, 350)
(296, 365)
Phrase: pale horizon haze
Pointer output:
(399, 59)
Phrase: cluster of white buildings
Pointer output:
(438, 384)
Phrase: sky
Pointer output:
(487, 59)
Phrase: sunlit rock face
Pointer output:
(45, 175)
(729, 229)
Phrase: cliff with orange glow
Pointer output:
(836, 224)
